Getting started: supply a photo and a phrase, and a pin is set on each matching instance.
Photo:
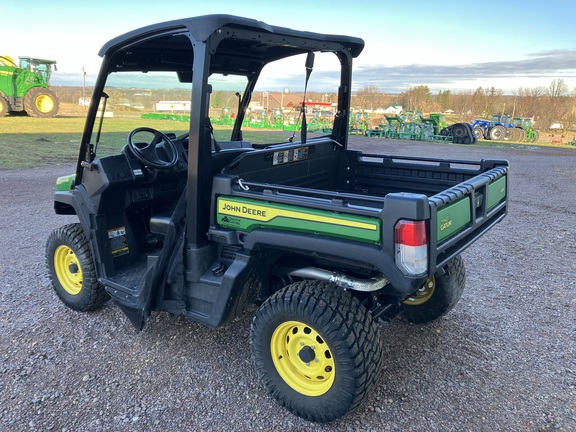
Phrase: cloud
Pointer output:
(548, 65)
(545, 64)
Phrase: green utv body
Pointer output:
(325, 240)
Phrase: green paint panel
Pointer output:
(452, 218)
(247, 215)
(496, 192)
(65, 183)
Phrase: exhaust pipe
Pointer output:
(347, 282)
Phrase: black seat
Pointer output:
(224, 157)
(160, 222)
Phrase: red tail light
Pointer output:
(411, 233)
(411, 241)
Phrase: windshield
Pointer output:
(159, 100)
(41, 67)
(274, 112)
(156, 100)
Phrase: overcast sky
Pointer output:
(446, 45)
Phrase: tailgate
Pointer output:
(463, 213)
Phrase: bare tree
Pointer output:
(368, 97)
(528, 100)
(555, 106)
(462, 104)
(557, 88)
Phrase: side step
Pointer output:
(125, 288)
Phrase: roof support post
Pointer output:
(199, 151)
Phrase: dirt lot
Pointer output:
(503, 359)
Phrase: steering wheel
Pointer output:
(145, 148)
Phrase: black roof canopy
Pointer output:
(243, 45)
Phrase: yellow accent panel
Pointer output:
(263, 213)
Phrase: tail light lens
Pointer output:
(411, 241)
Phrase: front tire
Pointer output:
(3, 106)
(522, 135)
(497, 133)
(41, 102)
(71, 268)
(438, 295)
(479, 133)
(316, 349)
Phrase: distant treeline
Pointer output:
(555, 104)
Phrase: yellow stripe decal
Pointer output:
(263, 213)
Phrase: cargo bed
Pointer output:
(342, 189)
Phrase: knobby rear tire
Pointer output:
(349, 343)
(438, 296)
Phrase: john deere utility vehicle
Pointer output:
(324, 239)
(26, 87)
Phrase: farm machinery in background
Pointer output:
(412, 125)
(505, 128)
(526, 126)
(227, 118)
(264, 119)
(25, 87)
(321, 121)
(359, 123)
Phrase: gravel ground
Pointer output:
(503, 359)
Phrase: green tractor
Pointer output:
(528, 133)
(26, 87)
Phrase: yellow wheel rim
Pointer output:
(424, 294)
(44, 103)
(302, 358)
(68, 270)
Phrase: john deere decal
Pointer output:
(248, 215)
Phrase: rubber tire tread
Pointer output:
(3, 106)
(471, 137)
(447, 293)
(478, 132)
(30, 102)
(497, 133)
(522, 135)
(93, 295)
(459, 130)
(348, 329)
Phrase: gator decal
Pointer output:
(452, 218)
(247, 215)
